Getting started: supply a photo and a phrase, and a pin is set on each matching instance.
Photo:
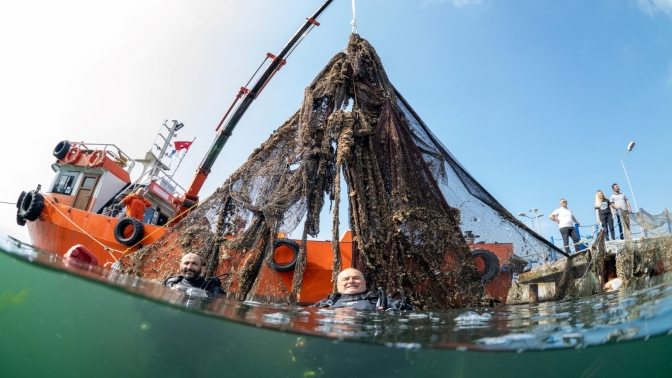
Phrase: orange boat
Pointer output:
(84, 204)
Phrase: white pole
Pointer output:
(628, 178)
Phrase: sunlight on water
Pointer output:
(58, 320)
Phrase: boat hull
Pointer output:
(59, 227)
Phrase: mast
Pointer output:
(190, 197)
(158, 164)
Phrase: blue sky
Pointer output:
(537, 99)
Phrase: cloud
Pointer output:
(651, 7)
(456, 3)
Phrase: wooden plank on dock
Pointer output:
(552, 271)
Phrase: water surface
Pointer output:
(64, 321)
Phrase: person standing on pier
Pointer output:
(621, 203)
(565, 220)
(603, 209)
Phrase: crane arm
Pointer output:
(190, 197)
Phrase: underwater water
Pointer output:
(68, 321)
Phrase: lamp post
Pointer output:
(630, 146)
(537, 216)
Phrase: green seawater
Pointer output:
(64, 321)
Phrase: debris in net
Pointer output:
(405, 234)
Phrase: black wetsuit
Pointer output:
(364, 301)
(182, 284)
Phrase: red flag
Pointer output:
(182, 145)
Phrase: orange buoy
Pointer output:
(73, 155)
(96, 159)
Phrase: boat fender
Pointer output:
(137, 231)
(73, 155)
(61, 149)
(19, 219)
(287, 267)
(80, 253)
(490, 261)
(18, 202)
(96, 159)
(31, 205)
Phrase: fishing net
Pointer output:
(410, 203)
(652, 225)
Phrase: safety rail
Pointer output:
(163, 180)
(119, 157)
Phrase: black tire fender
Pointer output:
(137, 233)
(287, 267)
(61, 149)
(18, 202)
(31, 205)
(491, 262)
(19, 219)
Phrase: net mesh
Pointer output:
(410, 202)
(652, 225)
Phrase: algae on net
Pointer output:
(352, 124)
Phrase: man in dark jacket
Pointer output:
(191, 267)
(351, 287)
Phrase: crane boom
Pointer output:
(190, 197)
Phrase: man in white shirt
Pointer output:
(565, 220)
(621, 203)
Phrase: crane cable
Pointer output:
(354, 19)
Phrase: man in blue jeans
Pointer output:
(623, 210)
(565, 220)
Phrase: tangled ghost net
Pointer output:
(351, 127)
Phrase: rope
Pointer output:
(354, 19)
(588, 266)
(9, 203)
(123, 253)
(106, 248)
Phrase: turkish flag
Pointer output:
(182, 145)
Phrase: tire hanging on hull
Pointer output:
(31, 205)
(286, 267)
(61, 150)
(137, 231)
(491, 264)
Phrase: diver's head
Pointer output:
(351, 281)
(191, 265)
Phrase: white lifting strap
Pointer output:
(354, 18)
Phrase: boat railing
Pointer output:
(162, 179)
(157, 182)
(115, 153)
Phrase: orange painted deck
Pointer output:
(60, 226)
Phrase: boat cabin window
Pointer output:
(149, 216)
(89, 182)
(65, 182)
